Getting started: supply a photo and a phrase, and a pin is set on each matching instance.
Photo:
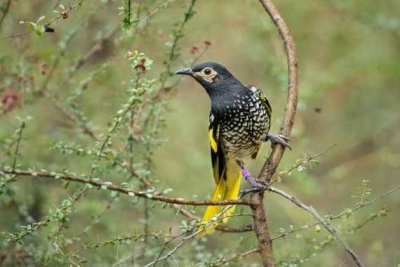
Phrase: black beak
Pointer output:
(185, 71)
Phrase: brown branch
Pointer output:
(5, 12)
(235, 229)
(293, 90)
(111, 187)
(325, 223)
(260, 221)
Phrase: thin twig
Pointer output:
(58, 2)
(111, 187)
(329, 217)
(5, 12)
(362, 205)
(19, 137)
(35, 226)
(327, 226)
(110, 133)
(330, 239)
(49, 22)
(172, 52)
(309, 159)
(197, 231)
(234, 257)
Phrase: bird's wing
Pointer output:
(264, 100)
(218, 160)
(262, 97)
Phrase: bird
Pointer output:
(239, 123)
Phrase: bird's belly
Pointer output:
(243, 141)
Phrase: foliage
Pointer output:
(100, 147)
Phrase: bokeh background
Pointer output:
(349, 58)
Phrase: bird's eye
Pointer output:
(207, 71)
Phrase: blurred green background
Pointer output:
(349, 63)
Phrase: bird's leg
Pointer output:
(278, 139)
(256, 184)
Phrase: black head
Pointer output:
(215, 78)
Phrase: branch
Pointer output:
(49, 22)
(196, 231)
(347, 212)
(5, 12)
(327, 241)
(260, 221)
(293, 89)
(362, 205)
(111, 187)
(307, 160)
(327, 226)
(235, 257)
(235, 229)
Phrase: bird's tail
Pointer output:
(227, 189)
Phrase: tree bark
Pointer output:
(260, 219)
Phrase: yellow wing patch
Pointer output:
(213, 143)
(265, 102)
(262, 97)
(213, 139)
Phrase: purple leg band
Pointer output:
(245, 173)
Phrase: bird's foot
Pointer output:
(257, 185)
(278, 139)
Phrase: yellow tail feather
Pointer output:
(225, 190)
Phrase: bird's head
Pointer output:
(215, 78)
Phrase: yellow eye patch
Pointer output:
(208, 74)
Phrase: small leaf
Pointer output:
(40, 19)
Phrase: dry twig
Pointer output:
(325, 223)
(111, 187)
